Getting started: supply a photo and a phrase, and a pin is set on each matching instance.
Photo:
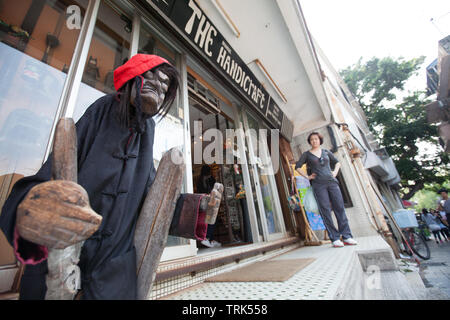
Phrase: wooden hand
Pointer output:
(56, 214)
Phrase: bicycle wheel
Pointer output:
(419, 245)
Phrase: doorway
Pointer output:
(232, 227)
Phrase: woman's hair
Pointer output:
(424, 211)
(317, 134)
(129, 116)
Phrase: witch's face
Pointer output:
(154, 89)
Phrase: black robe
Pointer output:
(115, 166)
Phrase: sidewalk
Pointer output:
(336, 273)
(367, 271)
(435, 273)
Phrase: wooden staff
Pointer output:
(155, 218)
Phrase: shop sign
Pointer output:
(274, 114)
(193, 24)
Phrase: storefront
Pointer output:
(58, 57)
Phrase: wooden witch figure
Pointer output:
(110, 193)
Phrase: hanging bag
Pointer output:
(310, 202)
(312, 211)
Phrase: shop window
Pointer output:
(150, 44)
(108, 50)
(36, 49)
(253, 196)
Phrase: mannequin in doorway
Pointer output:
(205, 184)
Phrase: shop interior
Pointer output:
(232, 224)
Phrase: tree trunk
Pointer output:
(412, 190)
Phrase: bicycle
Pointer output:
(416, 242)
(413, 240)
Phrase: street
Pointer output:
(435, 272)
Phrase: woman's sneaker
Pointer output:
(206, 243)
(350, 242)
(216, 244)
(338, 244)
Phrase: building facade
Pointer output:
(438, 85)
(58, 57)
(246, 66)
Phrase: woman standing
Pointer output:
(326, 189)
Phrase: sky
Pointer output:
(349, 29)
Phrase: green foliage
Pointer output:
(425, 199)
(428, 196)
(398, 119)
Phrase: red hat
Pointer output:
(137, 65)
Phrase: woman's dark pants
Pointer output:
(329, 197)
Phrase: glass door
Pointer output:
(264, 182)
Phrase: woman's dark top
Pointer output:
(318, 165)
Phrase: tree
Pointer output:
(398, 120)
(428, 197)
(425, 199)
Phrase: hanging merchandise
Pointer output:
(296, 198)
(312, 211)
(302, 185)
(310, 202)
(315, 221)
(241, 193)
(294, 202)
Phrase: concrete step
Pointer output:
(377, 275)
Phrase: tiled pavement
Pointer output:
(318, 281)
(435, 273)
